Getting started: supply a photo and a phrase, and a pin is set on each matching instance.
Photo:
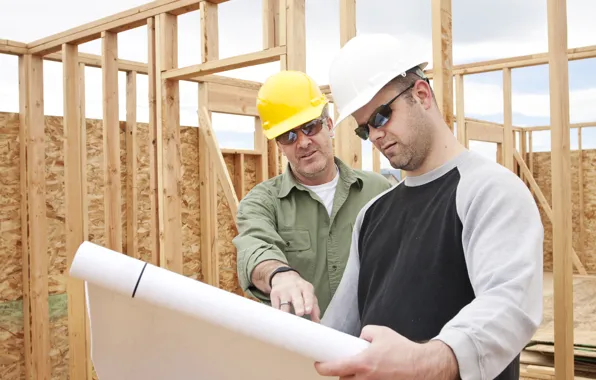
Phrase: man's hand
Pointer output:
(289, 288)
(392, 356)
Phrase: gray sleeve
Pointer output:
(503, 246)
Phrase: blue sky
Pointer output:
(481, 31)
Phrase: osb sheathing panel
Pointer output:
(542, 174)
(11, 280)
(11, 318)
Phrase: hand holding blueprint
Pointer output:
(150, 323)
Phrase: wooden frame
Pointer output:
(283, 41)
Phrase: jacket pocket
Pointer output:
(300, 252)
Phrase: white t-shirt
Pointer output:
(326, 191)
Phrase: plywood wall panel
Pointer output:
(542, 174)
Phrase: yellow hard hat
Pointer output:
(288, 99)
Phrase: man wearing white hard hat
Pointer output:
(444, 276)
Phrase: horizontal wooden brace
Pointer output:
(12, 47)
(225, 64)
(517, 62)
(484, 132)
(232, 100)
(116, 23)
(246, 152)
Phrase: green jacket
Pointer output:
(281, 219)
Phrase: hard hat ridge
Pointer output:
(364, 65)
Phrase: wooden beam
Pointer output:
(571, 126)
(232, 100)
(208, 202)
(585, 52)
(376, 158)
(561, 188)
(225, 64)
(508, 141)
(12, 47)
(220, 165)
(126, 20)
(292, 33)
(484, 132)
(111, 143)
(260, 146)
(207, 175)
(443, 58)
(459, 102)
(239, 175)
(168, 119)
(274, 31)
(132, 206)
(35, 241)
(85, 203)
(246, 152)
(155, 151)
(74, 194)
(93, 60)
(348, 146)
(580, 184)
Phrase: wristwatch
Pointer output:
(280, 270)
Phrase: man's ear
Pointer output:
(330, 125)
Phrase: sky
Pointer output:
(482, 30)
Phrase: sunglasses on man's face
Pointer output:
(379, 117)
(309, 129)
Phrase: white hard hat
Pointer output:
(364, 65)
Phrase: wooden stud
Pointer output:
(132, 206)
(460, 113)
(274, 34)
(348, 146)
(561, 188)
(111, 143)
(155, 151)
(261, 146)
(168, 120)
(207, 175)
(35, 238)
(508, 141)
(443, 58)
(208, 202)
(376, 157)
(580, 180)
(239, 175)
(85, 201)
(74, 194)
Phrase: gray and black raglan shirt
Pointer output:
(454, 255)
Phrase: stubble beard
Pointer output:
(412, 156)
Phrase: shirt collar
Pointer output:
(346, 174)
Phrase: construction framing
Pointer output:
(283, 42)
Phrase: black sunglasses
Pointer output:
(309, 129)
(379, 117)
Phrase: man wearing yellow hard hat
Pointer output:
(294, 230)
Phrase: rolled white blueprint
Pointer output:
(151, 323)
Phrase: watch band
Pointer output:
(280, 270)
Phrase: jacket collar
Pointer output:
(346, 174)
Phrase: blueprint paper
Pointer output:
(179, 328)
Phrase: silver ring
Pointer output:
(284, 303)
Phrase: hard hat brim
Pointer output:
(295, 121)
(367, 96)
